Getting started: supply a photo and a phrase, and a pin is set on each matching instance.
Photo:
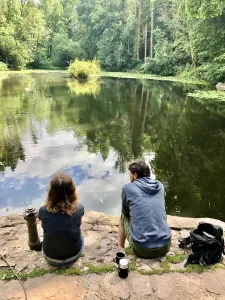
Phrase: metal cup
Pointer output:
(119, 256)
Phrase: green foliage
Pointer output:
(163, 67)
(3, 66)
(64, 50)
(129, 251)
(177, 258)
(40, 60)
(214, 95)
(68, 272)
(204, 9)
(83, 69)
(211, 73)
(51, 33)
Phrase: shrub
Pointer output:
(64, 50)
(40, 60)
(211, 73)
(3, 66)
(83, 69)
(163, 67)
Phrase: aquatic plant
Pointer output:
(216, 95)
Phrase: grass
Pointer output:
(151, 76)
(98, 247)
(177, 258)
(214, 95)
(132, 264)
(165, 267)
(100, 269)
(129, 251)
(39, 272)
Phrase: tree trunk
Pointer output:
(152, 34)
(146, 33)
(138, 30)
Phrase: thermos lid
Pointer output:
(123, 264)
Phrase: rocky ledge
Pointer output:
(99, 279)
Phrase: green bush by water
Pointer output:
(3, 67)
(83, 69)
(211, 73)
(163, 67)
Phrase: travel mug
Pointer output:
(123, 268)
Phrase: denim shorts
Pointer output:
(66, 262)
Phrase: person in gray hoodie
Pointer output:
(143, 217)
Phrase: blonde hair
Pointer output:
(62, 195)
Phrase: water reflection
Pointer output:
(91, 132)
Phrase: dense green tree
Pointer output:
(65, 50)
(176, 35)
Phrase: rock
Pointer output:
(170, 254)
(184, 234)
(165, 287)
(150, 263)
(102, 228)
(141, 287)
(86, 227)
(117, 287)
(190, 223)
(91, 282)
(214, 283)
(220, 86)
(144, 267)
(3, 264)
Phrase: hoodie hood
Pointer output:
(148, 185)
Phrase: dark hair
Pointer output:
(140, 168)
(62, 195)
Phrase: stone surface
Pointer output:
(214, 282)
(190, 223)
(172, 286)
(100, 236)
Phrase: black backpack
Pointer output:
(206, 243)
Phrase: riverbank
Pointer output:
(201, 94)
(100, 235)
(129, 75)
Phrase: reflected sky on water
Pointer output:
(93, 130)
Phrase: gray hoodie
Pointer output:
(143, 202)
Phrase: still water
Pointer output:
(92, 130)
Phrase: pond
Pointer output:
(93, 130)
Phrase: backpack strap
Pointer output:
(185, 242)
(196, 259)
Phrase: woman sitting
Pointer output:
(61, 218)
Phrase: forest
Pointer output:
(163, 37)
